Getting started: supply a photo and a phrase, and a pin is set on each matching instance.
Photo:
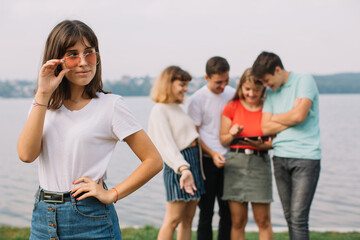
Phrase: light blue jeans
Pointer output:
(296, 181)
(85, 219)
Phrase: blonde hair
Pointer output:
(247, 77)
(161, 91)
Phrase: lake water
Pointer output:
(336, 205)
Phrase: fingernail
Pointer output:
(63, 60)
(73, 182)
(77, 199)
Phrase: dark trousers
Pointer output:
(214, 185)
(296, 181)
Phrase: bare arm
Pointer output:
(259, 144)
(151, 164)
(228, 132)
(274, 123)
(29, 142)
(218, 158)
(270, 127)
(296, 115)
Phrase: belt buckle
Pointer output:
(53, 197)
(249, 151)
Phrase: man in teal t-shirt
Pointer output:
(291, 111)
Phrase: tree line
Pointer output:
(342, 83)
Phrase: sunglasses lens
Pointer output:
(92, 58)
(72, 61)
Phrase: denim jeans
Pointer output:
(214, 185)
(85, 219)
(296, 181)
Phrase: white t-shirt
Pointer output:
(171, 130)
(80, 143)
(205, 108)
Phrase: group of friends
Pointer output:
(215, 148)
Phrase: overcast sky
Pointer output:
(145, 36)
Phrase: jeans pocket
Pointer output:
(91, 208)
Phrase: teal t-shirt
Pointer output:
(302, 140)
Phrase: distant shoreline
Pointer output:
(342, 83)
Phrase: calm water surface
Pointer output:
(336, 205)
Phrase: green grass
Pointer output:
(14, 233)
(150, 233)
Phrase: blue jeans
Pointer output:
(296, 181)
(85, 219)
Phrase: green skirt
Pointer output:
(247, 178)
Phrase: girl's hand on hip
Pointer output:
(90, 188)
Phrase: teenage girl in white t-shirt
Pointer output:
(73, 127)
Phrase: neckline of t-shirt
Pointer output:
(211, 93)
(289, 80)
(63, 107)
(260, 110)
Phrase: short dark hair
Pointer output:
(266, 63)
(216, 65)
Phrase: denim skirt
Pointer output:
(247, 178)
(84, 219)
(172, 180)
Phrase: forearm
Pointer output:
(226, 139)
(289, 118)
(147, 170)
(29, 142)
(296, 115)
(266, 145)
(152, 163)
(270, 127)
(228, 131)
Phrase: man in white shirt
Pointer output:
(205, 108)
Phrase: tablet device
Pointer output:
(235, 140)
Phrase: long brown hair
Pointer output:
(161, 91)
(64, 35)
(246, 77)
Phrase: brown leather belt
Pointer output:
(195, 143)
